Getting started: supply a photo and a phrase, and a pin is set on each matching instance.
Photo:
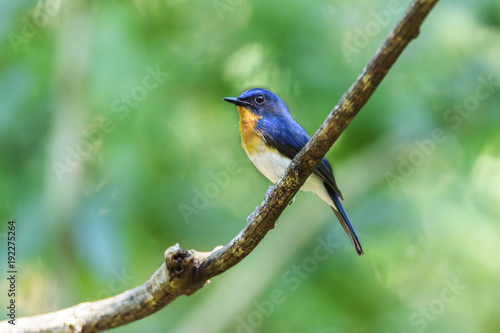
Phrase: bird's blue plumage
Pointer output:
(283, 133)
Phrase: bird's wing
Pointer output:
(288, 137)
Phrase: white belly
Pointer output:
(272, 165)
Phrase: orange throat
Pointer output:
(248, 122)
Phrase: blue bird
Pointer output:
(271, 138)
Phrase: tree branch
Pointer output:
(184, 272)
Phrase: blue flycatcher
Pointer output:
(271, 138)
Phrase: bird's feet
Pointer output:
(269, 190)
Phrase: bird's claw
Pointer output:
(269, 190)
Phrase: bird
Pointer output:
(271, 138)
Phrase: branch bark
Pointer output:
(186, 271)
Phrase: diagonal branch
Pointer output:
(263, 219)
(184, 272)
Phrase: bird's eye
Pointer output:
(260, 99)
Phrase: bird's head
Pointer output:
(260, 102)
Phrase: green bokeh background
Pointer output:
(426, 210)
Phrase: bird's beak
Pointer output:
(236, 101)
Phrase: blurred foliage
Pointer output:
(100, 159)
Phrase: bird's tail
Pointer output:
(344, 220)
